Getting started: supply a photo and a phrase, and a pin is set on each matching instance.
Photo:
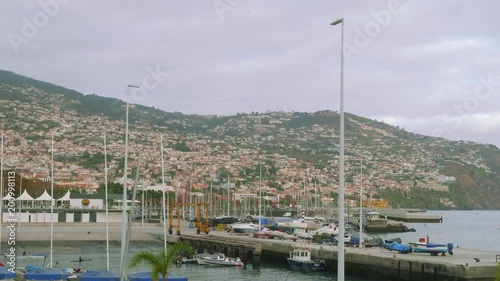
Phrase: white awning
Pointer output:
(44, 197)
(25, 196)
(65, 197)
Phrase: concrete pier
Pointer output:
(410, 215)
(465, 264)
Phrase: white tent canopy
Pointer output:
(25, 196)
(25, 199)
(7, 197)
(44, 197)
(65, 197)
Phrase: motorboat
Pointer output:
(186, 260)
(300, 260)
(146, 276)
(395, 246)
(424, 246)
(7, 273)
(200, 258)
(243, 228)
(99, 275)
(221, 259)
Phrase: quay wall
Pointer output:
(375, 261)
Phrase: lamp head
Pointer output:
(337, 21)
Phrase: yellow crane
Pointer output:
(200, 226)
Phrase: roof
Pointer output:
(65, 197)
(44, 197)
(25, 196)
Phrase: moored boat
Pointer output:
(37, 273)
(7, 273)
(200, 258)
(375, 223)
(300, 260)
(186, 260)
(146, 276)
(221, 259)
(99, 275)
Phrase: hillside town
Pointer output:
(293, 159)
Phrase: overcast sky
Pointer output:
(432, 67)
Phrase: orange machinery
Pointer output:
(200, 226)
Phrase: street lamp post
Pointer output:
(124, 202)
(340, 265)
(164, 207)
(361, 205)
(51, 195)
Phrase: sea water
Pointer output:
(467, 229)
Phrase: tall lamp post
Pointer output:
(52, 201)
(124, 202)
(340, 265)
(361, 205)
(163, 196)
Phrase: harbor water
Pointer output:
(465, 229)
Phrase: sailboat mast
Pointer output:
(228, 197)
(1, 190)
(52, 199)
(163, 195)
(211, 201)
(260, 195)
(190, 200)
(106, 198)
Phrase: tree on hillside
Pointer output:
(113, 188)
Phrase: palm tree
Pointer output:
(161, 261)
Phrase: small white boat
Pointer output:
(243, 228)
(200, 258)
(221, 259)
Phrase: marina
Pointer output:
(466, 263)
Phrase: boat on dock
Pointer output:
(396, 246)
(300, 260)
(424, 246)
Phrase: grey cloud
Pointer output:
(266, 55)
